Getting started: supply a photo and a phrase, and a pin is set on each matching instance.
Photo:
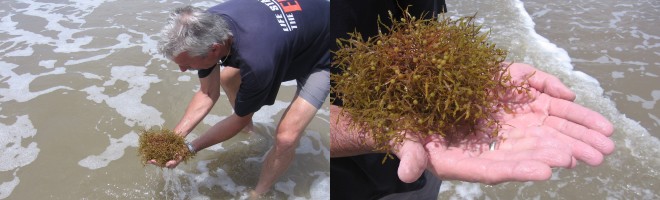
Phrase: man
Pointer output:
(261, 44)
(540, 136)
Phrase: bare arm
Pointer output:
(344, 141)
(223, 130)
(201, 103)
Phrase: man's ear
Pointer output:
(215, 48)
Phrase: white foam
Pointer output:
(286, 187)
(88, 75)
(646, 104)
(656, 120)
(212, 119)
(266, 113)
(89, 59)
(226, 183)
(617, 74)
(19, 89)
(113, 152)
(64, 41)
(461, 190)
(307, 145)
(47, 63)
(651, 74)
(129, 103)
(27, 51)
(13, 154)
(7, 187)
(95, 93)
(184, 78)
(320, 188)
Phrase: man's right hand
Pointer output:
(169, 164)
(546, 131)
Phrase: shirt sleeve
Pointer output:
(203, 73)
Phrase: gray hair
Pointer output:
(192, 30)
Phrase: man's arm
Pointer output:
(344, 141)
(201, 103)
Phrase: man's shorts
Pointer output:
(315, 87)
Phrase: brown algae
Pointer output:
(162, 145)
(424, 76)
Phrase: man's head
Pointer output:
(193, 33)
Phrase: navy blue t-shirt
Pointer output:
(274, 41)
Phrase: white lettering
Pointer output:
(286, 20)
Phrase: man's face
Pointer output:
(187, 62)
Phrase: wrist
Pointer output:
(191, 148)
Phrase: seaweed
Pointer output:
(162, 145)
(425, 77)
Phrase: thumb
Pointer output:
(413, 161)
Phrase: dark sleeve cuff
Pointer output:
(203, 73)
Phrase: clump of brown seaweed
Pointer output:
(424, 77)
(162, 146)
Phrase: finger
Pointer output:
(580, 115)
(542, 81)
(551, 85)
(474, 169)
(527, 170)
(536, 137)
(546, 137)
(550, 156)
(413, 158)
(154, 162)
(173, 163)
(592, 138)
(586, 145)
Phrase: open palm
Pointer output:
(546, 129)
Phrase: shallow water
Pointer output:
(78, 80)
(608, 53)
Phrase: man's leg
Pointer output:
(312, 92)
(289, 131)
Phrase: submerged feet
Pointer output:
(256, 196)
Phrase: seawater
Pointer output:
(80, 79)
(608, 53)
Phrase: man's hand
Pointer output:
(169, 164)
(545, 130)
